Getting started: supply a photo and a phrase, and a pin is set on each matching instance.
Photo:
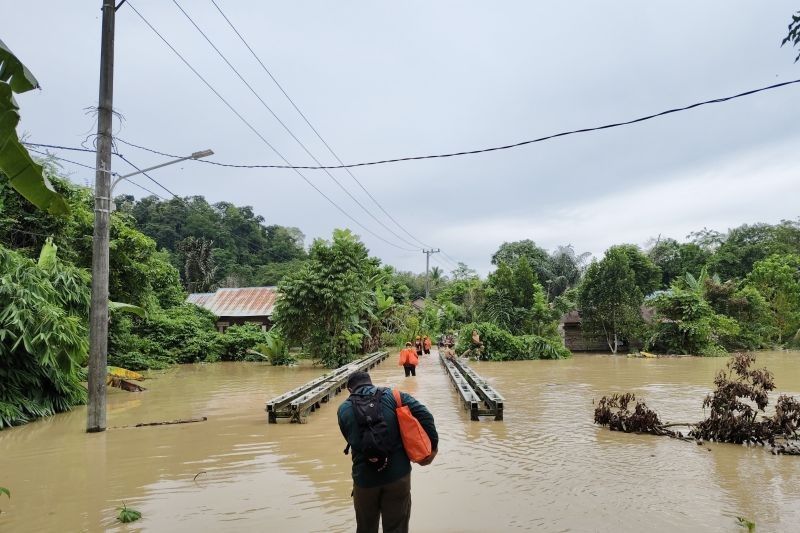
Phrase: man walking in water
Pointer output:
(408, 360)
(381, 468)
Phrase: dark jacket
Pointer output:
(365, 475)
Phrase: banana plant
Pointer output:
(16, 164)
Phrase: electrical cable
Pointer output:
(285, 127)
(514, 145)
(257, 133)
(145, 174)
(59, 158)
(308, 122)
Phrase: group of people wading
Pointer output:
(409, 356)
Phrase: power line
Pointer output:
(319, 136)
(285, 127)
(59, 158)
(258, 134)
(145, 174)
(514, 145)
(48, 154)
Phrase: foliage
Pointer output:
(749, 525)
(199, 269)
(463, 273)
(646, 274)
(501, 345)
(16, 165)
(556, 272)
(275, 349)
(181, 334)
(564, 271)
(43, 338)
(127, 515)
(5, 491)
(239, 340)
(675, 259)
(271, 274)
(733, 418)
(686, 324)
(323, 302)
(238, 248)
(515, 301)
(777, 278)
(737, 411)
(612, 411)
(745, 245)
(793, 36)
(609, 299)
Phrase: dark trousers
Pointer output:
(411, 370)
(391, 503)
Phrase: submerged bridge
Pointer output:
(299, 402)
(477, 396)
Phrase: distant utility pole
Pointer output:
(98, 314)
(427, 269)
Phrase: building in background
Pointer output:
(245, 305)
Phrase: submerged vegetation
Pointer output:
(736, 411)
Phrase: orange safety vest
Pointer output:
(427, 343)
(408, 356)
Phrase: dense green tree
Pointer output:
(609, 299)
(674, 259)
(516, 301)
(322, 303)
(511, 252)
(747, 244)
(777, 278)
(686, 324)
(646, 274)
(243, 244)
(564, 270)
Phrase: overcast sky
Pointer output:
(388, 79)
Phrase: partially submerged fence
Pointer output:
(307, 398)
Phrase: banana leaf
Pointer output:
(24, 174)
(124, 373)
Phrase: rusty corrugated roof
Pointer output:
(245, 301)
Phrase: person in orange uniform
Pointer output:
(426, 344)
(409, 360)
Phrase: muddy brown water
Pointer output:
(545, 468)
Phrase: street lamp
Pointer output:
(98, 313)
(196, 155)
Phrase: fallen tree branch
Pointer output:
(165, 423)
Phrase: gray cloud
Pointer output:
(384, 80)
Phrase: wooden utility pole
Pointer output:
(427, 270)
(98, 314)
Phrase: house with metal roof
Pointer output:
(245, 305)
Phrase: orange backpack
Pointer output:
(415, 441)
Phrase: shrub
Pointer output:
(238, 340)
(44, 338)
(501, 345)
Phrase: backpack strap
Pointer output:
(397, 399)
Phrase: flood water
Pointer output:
(547, 467)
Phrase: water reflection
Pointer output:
(545, 467)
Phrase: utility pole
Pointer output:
(427, 270)
(98, 314)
